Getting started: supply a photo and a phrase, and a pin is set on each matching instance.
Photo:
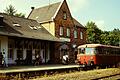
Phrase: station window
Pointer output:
(19, 54)
(81, 35)
(75, 34)
(64, 15)
(10, 53)
(68, 32)
(11, 48)
(61, 31)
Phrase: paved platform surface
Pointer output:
(14, 69)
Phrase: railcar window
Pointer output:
(89, 50)
(82, 50)
(96, 51)
(100, 50)
(117, 51)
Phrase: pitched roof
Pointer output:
(76, 23)
(21, 27)
(45, 13)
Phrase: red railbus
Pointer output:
(98, 54)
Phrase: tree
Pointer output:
(115, 37)
(20, 14)
(93, 33)
(105, 38)
(10, 10)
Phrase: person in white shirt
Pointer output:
(65, 59)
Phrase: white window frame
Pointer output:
(75, 34)
(81, 35)
(68, 32)
(61, 31)
(64, 15)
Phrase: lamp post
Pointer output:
(74, 49)
(74, 46)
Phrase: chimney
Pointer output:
(32, 8)
(1, 20)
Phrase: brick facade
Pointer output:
(52, 18)
(67, 23)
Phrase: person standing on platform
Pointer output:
(4, 59)
(65, 59)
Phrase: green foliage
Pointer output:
(95, 35)
(20, 14)
(10, 10)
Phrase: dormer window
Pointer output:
(34, 27)
(39, 27)
(64, 15)
(16, 24)
(31, 27)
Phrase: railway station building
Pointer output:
(49, 31)
(57, 20)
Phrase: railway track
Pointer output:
(100, 74)
(32, 72)
(115, 76)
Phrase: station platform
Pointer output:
(20, 69)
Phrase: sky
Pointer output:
(105, 13)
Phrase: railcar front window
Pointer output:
(82, 50)
(89, 50)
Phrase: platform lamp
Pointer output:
(74, 46)
(74, 49)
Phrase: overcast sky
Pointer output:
(105, 13)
